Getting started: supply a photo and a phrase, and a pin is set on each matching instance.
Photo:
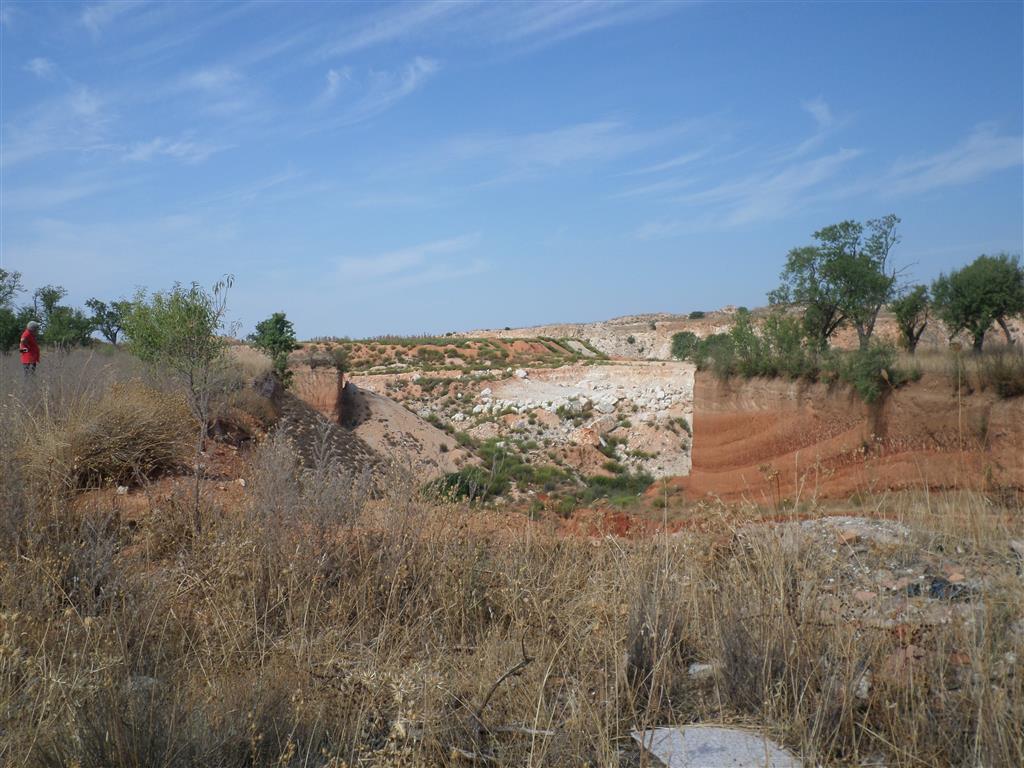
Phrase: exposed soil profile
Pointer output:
(767, 440)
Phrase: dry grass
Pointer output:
(999, 368)
(130, 432)
(249, 361)
(316, 628)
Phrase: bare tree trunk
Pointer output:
(1006, 329)
(863, 336)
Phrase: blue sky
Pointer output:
(375, 168)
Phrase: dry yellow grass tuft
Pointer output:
(129, 432)
(250, 361)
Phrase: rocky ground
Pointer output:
(581, 416)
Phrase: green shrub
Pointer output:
(696, 315)
(685, 345)
(716, 353)
(869, 371)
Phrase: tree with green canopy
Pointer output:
(62, 326)
(845, 278)
(988, 290)
(912, 310)
(108, 319)
(275, 336)
(179, 331)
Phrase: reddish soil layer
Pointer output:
(767, 440)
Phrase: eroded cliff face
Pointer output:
(770, 439)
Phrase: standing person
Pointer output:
(29, 348)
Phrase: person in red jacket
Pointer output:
(29, 348)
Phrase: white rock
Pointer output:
(521, 374)
(459, 417)
(241, 481)
(701, 671)
(863, 689)
(485, 392)
(122, 490)
(705, 746)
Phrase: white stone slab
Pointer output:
(705, 746)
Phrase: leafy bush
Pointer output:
(500, 467)
(684, 345)
(276, 337)
(870, 371)
(696, 315)
(620, 484)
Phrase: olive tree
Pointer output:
(62, 326)
(912, 310)
(108, 319)
(988, 290)
(179, 331)
(845, 278)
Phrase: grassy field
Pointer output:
(310, 625)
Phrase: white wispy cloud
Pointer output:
(983, 152)
(221, 91)
(76, 120)
(543, 23)
(821, 112)
(96, 16)
(387, 26)
(414, 262)
(517, 26)
(210, 79)
(335, 79)
(58, 192)
(514, 157)
(41, 67)
(762, 196)
(671, 164)
(656, 188)
(184, 149)
(377, 93)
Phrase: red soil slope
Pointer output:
(766, 440)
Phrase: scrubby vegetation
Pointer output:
(845, 280)
(309, 625)
(303, 621)
(780, 348)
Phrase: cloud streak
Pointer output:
(983, 152)
(422, 262)
(387, 27)
(99, 15)
(184, 150)
(41, 67)
(77, 120)
(377, 93)
(763, 196)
